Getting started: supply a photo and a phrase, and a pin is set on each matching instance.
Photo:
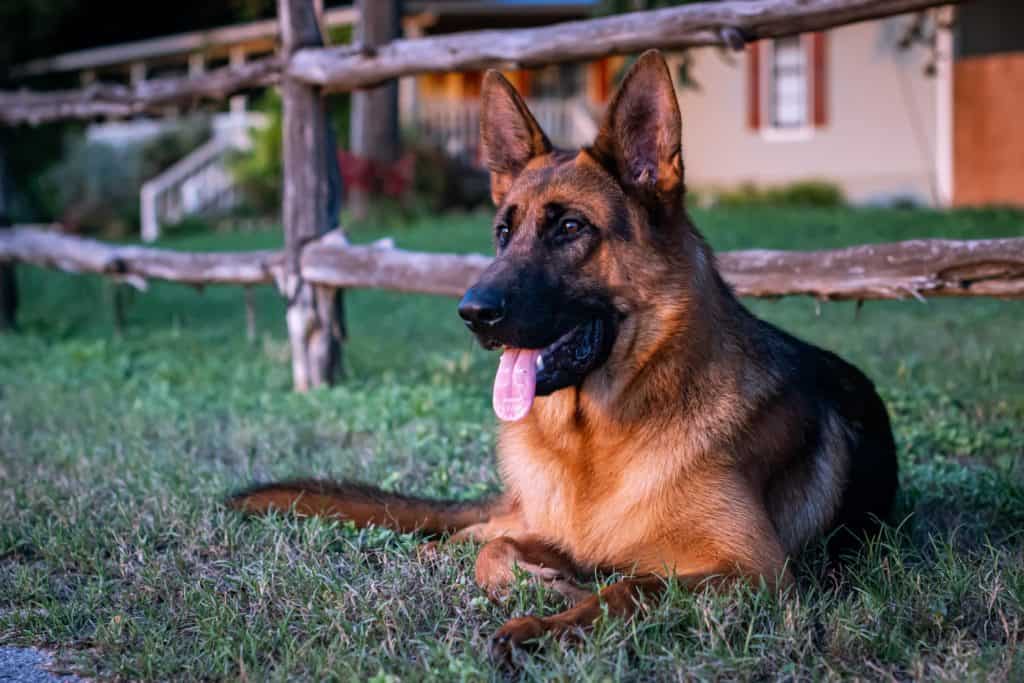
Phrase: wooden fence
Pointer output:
(317, 263)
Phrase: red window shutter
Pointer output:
(602, 73)
(754, 85)
(520, 78)
(818, 73)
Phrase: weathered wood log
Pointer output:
(8, 278)
(374, 122)
(104, 99)
(117, 294)
(349, 68)
(386, 268)
(896, 270)
(313, 311)
(44, 246)
(706, 23)
(250, 315)
(8, 298)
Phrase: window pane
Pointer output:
(789, 83)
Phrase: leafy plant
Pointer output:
(806, 193)
(95, 187)
(260, 170)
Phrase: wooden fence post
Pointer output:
(374, 126)
(310, 197)
(8, 281)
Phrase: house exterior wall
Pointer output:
(988, 104)
(988, 135)
(878, 141)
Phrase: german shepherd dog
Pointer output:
(650, 423)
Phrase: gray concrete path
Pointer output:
(28, 665)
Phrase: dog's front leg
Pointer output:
(508, 523)
(496, 563)
(762, 559)
(622, 600)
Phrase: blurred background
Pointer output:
(916, 111)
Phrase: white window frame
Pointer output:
(768, 130)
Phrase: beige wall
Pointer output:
(879, 141)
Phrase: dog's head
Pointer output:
(580, 237)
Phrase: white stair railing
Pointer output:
(199, 182)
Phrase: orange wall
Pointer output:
(988, 130)
(464, 86)
(598, 84)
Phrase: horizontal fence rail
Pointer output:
(146, 97)
(731, 23)
(897, 270)
(42, 246)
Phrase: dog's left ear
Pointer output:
(640, 137)
(509, 135)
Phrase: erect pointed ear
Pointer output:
(509, 135)
(640, 137)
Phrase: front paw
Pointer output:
(428, 552)
(515, 634)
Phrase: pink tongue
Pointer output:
(515, 384)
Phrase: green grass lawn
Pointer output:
(116, 452)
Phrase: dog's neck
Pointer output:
(688, 342)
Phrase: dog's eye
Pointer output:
(570, 227)
(503, 234)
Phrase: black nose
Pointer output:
(482, 308)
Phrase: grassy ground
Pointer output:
(114, 454)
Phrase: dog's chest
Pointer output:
(599, 514)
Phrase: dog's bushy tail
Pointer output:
(364, 505)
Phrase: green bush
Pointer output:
(26, 152)
(260, 171)
(806, 193)
(94, 188)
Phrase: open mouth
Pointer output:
(526, 373)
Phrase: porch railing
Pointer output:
(454, 125)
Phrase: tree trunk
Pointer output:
(311, 185)
(375, 112)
